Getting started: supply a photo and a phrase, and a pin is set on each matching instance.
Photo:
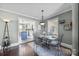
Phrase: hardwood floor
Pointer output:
(25, 50)
(21, 50)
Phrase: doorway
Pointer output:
(26, 27)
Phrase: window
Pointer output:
(53, 27)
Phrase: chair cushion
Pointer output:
(54, 42)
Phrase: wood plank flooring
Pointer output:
(21, 50)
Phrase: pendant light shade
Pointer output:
(42, 23)
(6, 20)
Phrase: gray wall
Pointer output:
(13, 26)
(67, 34)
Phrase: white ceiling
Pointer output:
(32, 9)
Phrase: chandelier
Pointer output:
(42, 22)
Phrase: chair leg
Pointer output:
(57, 53)
(60, 50)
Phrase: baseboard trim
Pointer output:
(66, 45)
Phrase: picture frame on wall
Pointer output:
(61, 21)
(68, 26)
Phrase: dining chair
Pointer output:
(57, 43)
